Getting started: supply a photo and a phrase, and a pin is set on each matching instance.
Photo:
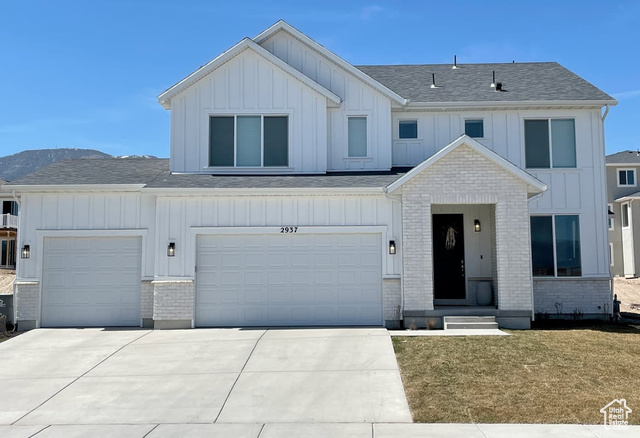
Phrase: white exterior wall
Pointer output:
(80, 215)
(249, 84)
(176, 216)
(359, 99)
(571, 191)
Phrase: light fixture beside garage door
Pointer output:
(392, 247)
(26, 252)
(171, 249)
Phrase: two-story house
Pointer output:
(303, 190)
(623, 202)
(8, 229)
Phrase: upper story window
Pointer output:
(474, 128)
(357, 137)
(626, 177)
(555, 246)
(248, 141)
(10, 207)
(408, 129)
(550, 143)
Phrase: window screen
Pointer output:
(563, 142)
(357, 136)
(568, 246)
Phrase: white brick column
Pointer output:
(173, 304)
(27, 304)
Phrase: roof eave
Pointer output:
(513, 104)
(50, 188)
(262, 191)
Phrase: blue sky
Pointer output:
(86, 74)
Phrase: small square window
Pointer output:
(408, 129)
(474, 128)
(626, 178)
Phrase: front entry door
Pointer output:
(448, 257)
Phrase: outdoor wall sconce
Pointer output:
(476, 225)
(26, 252)
(171, 249)
(392, 247)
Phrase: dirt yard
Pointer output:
(6, 281)
(628, 291)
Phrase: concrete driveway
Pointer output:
(205, 381)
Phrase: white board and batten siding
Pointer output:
(179, 218)
(571, 191)
(359, 99)
(85, 215)
(249, 84)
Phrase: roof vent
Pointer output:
(433, 81)
(493, 82)
(455, 62)
(499, 86)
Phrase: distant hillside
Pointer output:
(18, 165)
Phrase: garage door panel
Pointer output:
(293, 279)
(91, 281)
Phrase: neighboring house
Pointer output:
(623, 201)
(302, 190)
(8, 229)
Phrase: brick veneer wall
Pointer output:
(558, 297)
(466, 177)
(391, 298)
(173, 300)
(27, 303)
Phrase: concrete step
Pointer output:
(470, 322)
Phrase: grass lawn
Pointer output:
(532, 376)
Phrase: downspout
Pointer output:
(611, 289)
(606, 111)
(18, 258)
(533, 307)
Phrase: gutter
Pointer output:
(606, 111)
(514, 104)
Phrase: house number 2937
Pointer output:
(286, 230)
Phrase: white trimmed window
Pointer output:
(627, 178)
(249, 141)
(474, 128)
(610, 216)
(550, 143)
(624, 215)
(555, 246)
(408, 129)
(357, 127)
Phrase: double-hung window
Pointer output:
(555, 246)
(357, 147)
(249, 141)
(550, 143)
(626, 177)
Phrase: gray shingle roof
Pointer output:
(535, 81)
(624, 157)
(96, 171)
(154, 173)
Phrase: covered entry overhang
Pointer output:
(465, 218)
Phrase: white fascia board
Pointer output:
(628, 198)
(323, 191)
(464, 139)
(246, 43)
(283, 25)
(622, 164)
(83, 188)
(514, 104)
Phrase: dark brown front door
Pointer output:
(448, 257)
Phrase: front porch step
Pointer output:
(469, 322)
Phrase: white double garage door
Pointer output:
(295, 279)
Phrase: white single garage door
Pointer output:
(91, 282)
(289, 280)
